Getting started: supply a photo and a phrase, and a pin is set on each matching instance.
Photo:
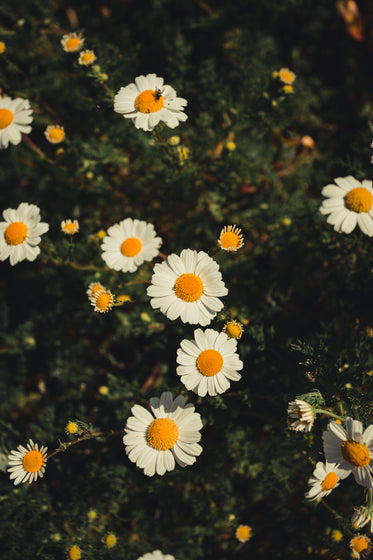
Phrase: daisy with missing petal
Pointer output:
(361, 546)
(27, 464)
(351, 448)
(325, 478)
(300, 416)
(148, 101)
(72, 42)
(20, 233)
(348, 203)
(188, 286)
(15, 120)
(208, 363)
(231, 238)
(156, 555)
(55, 133)
(130, 243)
(154, 444)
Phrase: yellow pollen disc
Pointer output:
(233, 330)
(33, 461)
(104, 301)
(243, 532)
(229, 240)
(56, 134)
(162, 434)
(72, 44)
(188, 287)
(111, 540)
(359, 200)
(287, 76)
(209, 362)
(147, 102)
(75, 552)
(357, 454)
(71, 428)
(131, 247)
(68, 228)
(6, 117)
(88, 57)
(329, 482)
(360, 544)
(16, 233)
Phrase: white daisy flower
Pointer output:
(188, 286)
(155, 443)
(325, 478)
(348, 203)
(55, 133)
(72, 42)
(351, 448)
(86, 58)
(70, 227)
(15, 119)
(231, 238)
(156, 555)
(360, 545)
(20, 233)
(208, 363)
(361, 516)
(27, 464)
(130, 243)
(300, 416)
(102, 300)
(148, 101)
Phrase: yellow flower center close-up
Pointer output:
(6, 117)
(149, 101)
(162, 434)
(33, 461)
(360, 543)
(71, 428)
(233, 329)
(75, 552)
(229, 240)
(359, 200)
(329, 482)
(88, 58)
(104, 301)
(56, 135)
(16, 233)
(72, 44)
(131, 247)
(243, 533)
(189, 287)
(286, 76)
(209, 362)
(111, 540)
(357, 454)
(2, 47)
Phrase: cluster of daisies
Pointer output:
(348, 450)
(73, 43)
(286, 78)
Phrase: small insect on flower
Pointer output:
(55, 133)
(158, 93)
(70, 227)
(243, 533)
(231, 238)
(74, 552)
(72, 42)
(361, 546)
(27, 464)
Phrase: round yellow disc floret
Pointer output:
(16, 233)
(188, 287)
(149, 101)
(6, 118)
(209, 362)
(329, 482)
(359, 200)
(33, 461)
(162, 434)
(355, 453)
(131, 247)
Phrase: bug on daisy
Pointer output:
(15, 120)
(26, 464)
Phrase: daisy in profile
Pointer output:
(361, 546)
(349, 203)
(130, 243)
(55, 133)
(94, 288)
(230, 238)
(300, 416)
(15, 120)
(28, 463)
(148, 101)
(154, 443)
(70, 227)
(208, 363)
(20, 233)
(72, 42)
(156, 555)
(243, 533)
(351, 448)
(188, 286)
(102, 301)
(86, 58)
(325, 478)
(362, 516)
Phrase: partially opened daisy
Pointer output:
(286, 76)
(362, 516)
(28, 463)
(361, 545)
(86, 58)
(156, 555)
(348, 203)
(15, 119)
(325, 478)
(233, 329)
(72, 42)
(230, 238)
(70, 227)
(351, 448)
(148, 101)
(208, 363)
(154, 443)
(300, 416)
(243, 533)
(55, 133)
(20, 233)
(188, 286)
(130, 243)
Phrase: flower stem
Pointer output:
(322, 411)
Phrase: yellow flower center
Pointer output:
(70, 228)
(357, 454)
(149, 101)
(233, 330)
(88, 58)
(243, 532)
(2, 47)
(209, 362)
(16, 233)
(72, 44)
(229, 240)
(104, 301)
(162, 434)
(56, 134)
(188, 287)
(111, 540)
(359, 200)
(360, 543)
(75, 552)
(6, 117)
(131, 247)
(33, 461)
(71, 427)
(329, 482)
(286, 76)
